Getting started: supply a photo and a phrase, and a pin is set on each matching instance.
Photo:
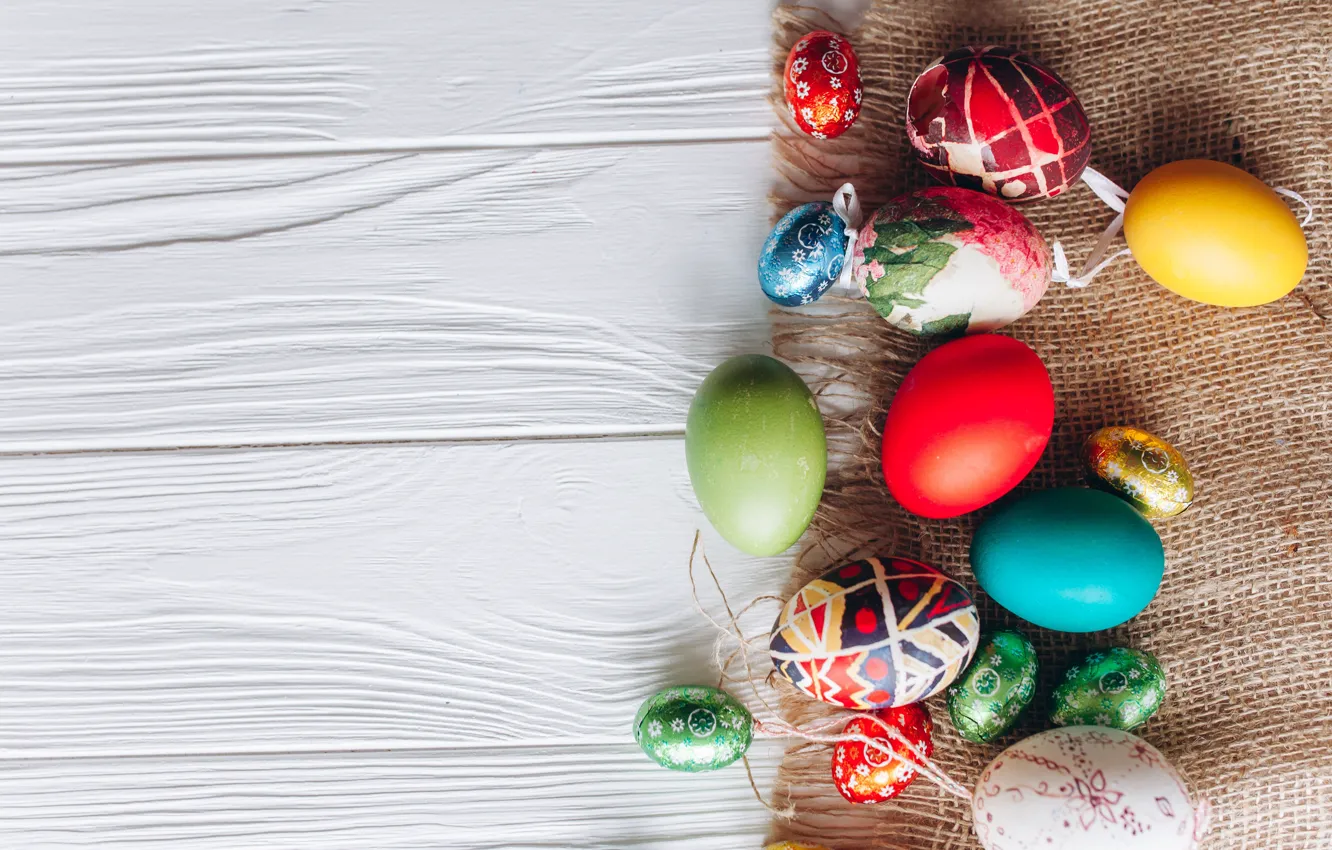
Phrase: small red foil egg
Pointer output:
(994, 119)
(823, 84)
(865, 774)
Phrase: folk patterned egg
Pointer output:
(986, 701)
(803, 255)
(1140, 468)
(946, 260)
(693, 728)
(876, 633)
(994, 119)
(822, 83)
(864, 774)
(1119, 687)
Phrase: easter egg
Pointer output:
(994, 119)
(1119, 687)
(803, 255)
(986, 701)
(876, 633)
(950, 261)
(1140, 468)
(1215, 234)
(822, 83)
(693, 728)
(756, 453)
(794, 845)
(1084, 788)
(865, 774)
(969, 421)
(1069, 559)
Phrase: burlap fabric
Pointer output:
(1243, 621)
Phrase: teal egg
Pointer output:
(1119, 687)
(756, 453)
(1070, 559)
(693, 728)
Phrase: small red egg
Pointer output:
(969, 421)
(823, 84)
(865, 774)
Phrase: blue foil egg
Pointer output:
(803, 255)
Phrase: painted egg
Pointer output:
(756, 453)
(1069, 559)
(693, 728)
(1215, 234)
(994, 119)
(876, 633)
(969, 421)
(865, 774)
(803, 255)
(1119, 687)
(1084, 788)
(1140, 468)
(823, 84)
(794, 845)
(945, 260)
(986, 701)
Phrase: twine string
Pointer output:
(847, 206)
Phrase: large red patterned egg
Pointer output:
(994, 119)
(867, 774)
(875, 633)
(823, 84)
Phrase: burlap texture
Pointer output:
(1242, 619)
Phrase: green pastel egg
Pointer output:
(1117, 687)
(756, 453)
(693, 728)
(991, 694)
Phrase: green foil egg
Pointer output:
(1000, 682)
(693, 728)
(1117, 687)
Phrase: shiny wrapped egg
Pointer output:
(876, 633)
(986, 701)
(1140, 468)
(693, 728)
(1119, 687)
(994, 119)
(803, 255)
(950, 261)
(822, 84)
(794, 845)
(866, 774)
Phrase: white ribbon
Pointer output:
(1308, 207)
(847, 206)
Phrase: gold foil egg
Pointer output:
(1140, 468)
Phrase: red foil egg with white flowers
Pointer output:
(866, 774)
(994, 119)
(823, 89)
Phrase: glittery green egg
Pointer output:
(693, 728)
(1000, 682)
(1117, 687)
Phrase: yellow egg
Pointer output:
(1214, 233)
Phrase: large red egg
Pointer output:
(967, 424)
(994, 119)
(823, 84)
(865, 774)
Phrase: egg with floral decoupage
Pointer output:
(822, 84)
(803, 255)
(864, 773)
(693, 728)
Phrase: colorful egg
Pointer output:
(986, 701)
(945, 260)
(969, 421)
(1140, 468)
(1215, 234)
(865, 774)
(803, 255)
(1069, 559)
(822, 80)
(794, 845)
(756, 453)
(1084, 788)
(693, 728)
(1117, 687)
(994, 119)
(876, 633)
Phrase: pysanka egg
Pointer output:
(803, 255)
(866, 774)
(1140, 468)
(693, 728)
(946, 260)
(1119, 687)
(876, 633)
(986, 701)
(994, 119)
(822, 83)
